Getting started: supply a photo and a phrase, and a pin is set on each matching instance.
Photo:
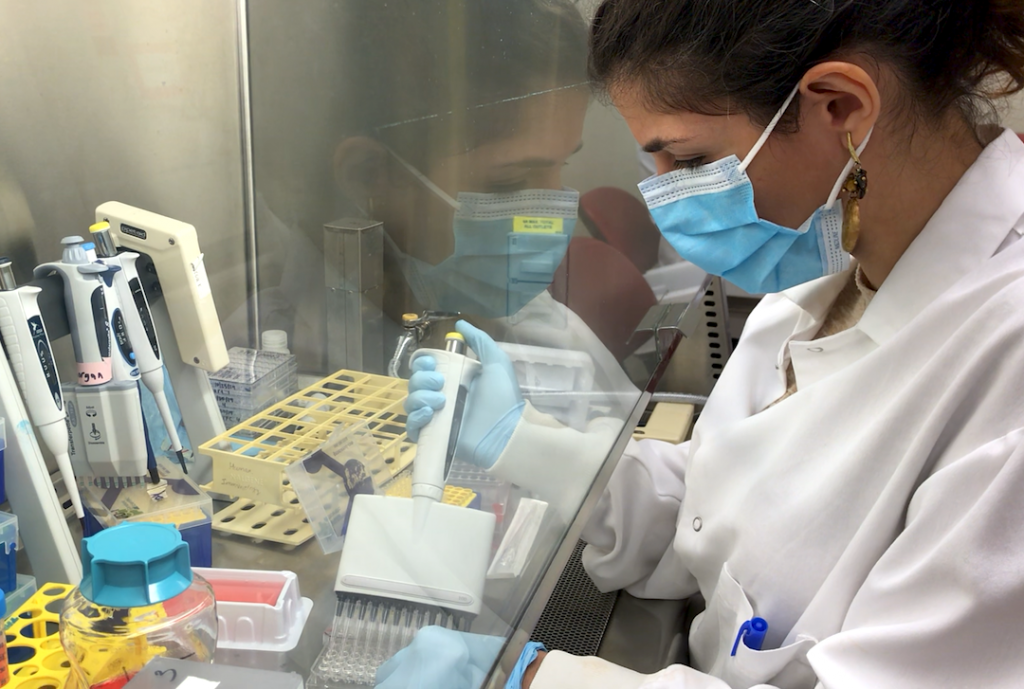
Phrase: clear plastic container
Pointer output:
(138, 600)
(8, 551)
(253, 381)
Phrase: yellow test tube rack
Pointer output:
(35, 656)
(249, 459)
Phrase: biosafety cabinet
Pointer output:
(360, 176)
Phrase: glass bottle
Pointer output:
(138, 599)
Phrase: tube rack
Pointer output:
(249, 459)
(35, 655)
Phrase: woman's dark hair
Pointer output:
(716, 56)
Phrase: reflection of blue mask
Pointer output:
(507, 248)
(707, 214)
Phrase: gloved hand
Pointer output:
(440, 658)
(493, 407)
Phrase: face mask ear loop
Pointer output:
(846, 172)
(768, 130)
(423, 179)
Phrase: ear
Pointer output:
(360, 168)
(843, 97)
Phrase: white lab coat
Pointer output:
(545, 322)
(875, 518)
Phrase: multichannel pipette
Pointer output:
(28, 349)
(141, 330)
(435, 448)
(408, 563)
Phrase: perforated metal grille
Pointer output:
(577, 614)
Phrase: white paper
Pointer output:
(198, 683)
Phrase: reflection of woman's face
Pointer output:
(546, 132)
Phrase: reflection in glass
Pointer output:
(448, 123)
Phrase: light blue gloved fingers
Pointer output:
(487, 350)
(495, 403)
(483, 650)
(491, 357)
(424, 396)
(529, 654)
(493, 443)
(423, 399)
(426, 380)
(423, 363)
(429, 662)
(415, 422)
(420, 407)
(440, 659)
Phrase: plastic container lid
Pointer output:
(134, 564)
(275, 341)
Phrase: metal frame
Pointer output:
(701, 357)
(556, 563)
(252, 279)
(542, 592)
(682, 339)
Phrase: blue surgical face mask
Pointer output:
(707, 214)
(507, 248)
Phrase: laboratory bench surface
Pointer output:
(644, 635)
(316, 572)
(641, 634)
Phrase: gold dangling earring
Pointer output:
(855, 186)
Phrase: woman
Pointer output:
(854, 479)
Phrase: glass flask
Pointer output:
(138, 599)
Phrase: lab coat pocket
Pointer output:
(712, 639)
(784, 667)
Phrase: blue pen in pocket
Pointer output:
(752, 633)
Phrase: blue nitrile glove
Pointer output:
(424, 395)
(493, 408)
(440, 658)
(529, 654)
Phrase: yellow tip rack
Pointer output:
(249, 459)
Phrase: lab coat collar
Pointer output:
(967, 229)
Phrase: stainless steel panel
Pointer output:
(700, 358)
(577, 614)
(645, 635)
(122, 100)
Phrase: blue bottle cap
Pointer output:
(134, 564)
